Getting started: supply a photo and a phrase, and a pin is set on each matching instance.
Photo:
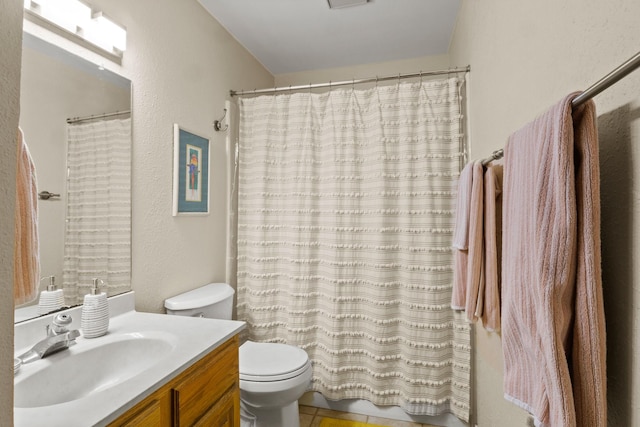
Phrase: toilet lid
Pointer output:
(271, 362)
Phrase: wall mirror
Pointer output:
(85, 232)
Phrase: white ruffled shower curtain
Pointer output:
(97, 242)
(345, 217)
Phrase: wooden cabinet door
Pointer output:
(225, 413)
(154, 411)
(148, 416)
(205, 384)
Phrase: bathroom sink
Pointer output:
(90, 367)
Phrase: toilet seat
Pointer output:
(268, 362)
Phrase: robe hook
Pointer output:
(217, 124)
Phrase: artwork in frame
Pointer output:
(190, 173)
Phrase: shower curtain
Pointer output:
(345, 217)
(97, 241)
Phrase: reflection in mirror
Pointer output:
(84, 233)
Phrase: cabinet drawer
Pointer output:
(204, 384)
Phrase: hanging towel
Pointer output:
(492, 245)
(26, 271)
(475, 265)
(461, 238)
(553, 316)
(463, 206)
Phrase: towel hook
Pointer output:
(46, 195)
(217, 124)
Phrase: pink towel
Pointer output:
(461, 238)
(469, 281)
(26, 271)
(553, 317)
(492, 246)
(475, 263)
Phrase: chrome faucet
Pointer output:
(59, 337)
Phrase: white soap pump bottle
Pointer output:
(95, 313)
(51, 299)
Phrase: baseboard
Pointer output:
(367, 408)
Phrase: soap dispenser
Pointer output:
(51, 299)
(95, 313)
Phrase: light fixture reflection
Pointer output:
(106, 33)
(78, 18)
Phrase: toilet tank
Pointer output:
(213, 301)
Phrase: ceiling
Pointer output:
(298, 35)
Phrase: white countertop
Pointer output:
(193, 338)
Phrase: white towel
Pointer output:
(463, 206)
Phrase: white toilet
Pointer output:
(272, 376)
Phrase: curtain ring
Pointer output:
(353, 84)
(309, 87)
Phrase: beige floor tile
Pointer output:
(303, 409)
(306, 420)
(340, 415)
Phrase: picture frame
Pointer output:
(190, 173)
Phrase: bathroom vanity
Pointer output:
(206, 394)
(149, 370)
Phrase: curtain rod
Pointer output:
(349, 82)
(97, 116)
(604, 83)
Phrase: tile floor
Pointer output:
(311, 417)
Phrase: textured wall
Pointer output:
(524, 57)
(182, 64)
(10, 52)
(363, 71)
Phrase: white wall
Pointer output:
(10, 52)
(182, 64)
(390, 68)
(524, 57)
(53, 89)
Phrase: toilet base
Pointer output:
(286, 416)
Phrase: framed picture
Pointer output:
(190, 173)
